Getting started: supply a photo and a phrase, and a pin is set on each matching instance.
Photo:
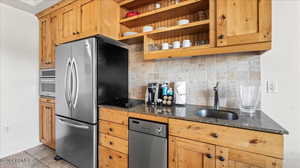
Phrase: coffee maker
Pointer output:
(152, 93)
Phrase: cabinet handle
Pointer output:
(221, 158)
(221, 36)
(111, 143)
(74, 33)
(110, 129)
(209, 156)
(214, 135)
(77, 33)
(110, 157)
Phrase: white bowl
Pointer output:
(147, 28)
(183, 21)
(129, 33)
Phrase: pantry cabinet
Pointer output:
(47, 122)
(190, 154)
(243, 22)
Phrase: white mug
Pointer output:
(165, 46)
(186, 43)
(176, 44)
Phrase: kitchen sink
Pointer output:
(220, 114)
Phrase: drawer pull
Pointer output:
(221, 158)
(111, 143)
(110, 157)
(214, 135)
(110, 129)
(209, 156)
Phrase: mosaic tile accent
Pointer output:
(201, 74)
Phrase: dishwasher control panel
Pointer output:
(148, 127)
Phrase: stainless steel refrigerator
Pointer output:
(90, 72)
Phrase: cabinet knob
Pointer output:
(223, 17)
(221, 158)
(209, 156)
(110, 142)
(77, 33)
(110, 129)
(214, 135)
(110, 157)
(74, 33)
(221, 36)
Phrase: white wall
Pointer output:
(19, 81)
(282, 64)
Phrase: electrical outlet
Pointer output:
(271, 86)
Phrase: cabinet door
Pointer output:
(44, 42)
(53, 39)
(112, 159)
(190, 154)
(68, 23)
(231, 158)
(47, 124)
(88, 17)
(243, 21)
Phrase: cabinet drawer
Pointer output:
(252, 141)
(114, 129)
(45, 100)
(116, 116)
(112, 159)
(114, 143)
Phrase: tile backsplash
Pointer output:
(200, 73)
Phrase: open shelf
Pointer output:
(180, 9)
(195, 26)
(131, 4)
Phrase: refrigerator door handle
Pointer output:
(75, 83)
(65, 122)
(68, 82)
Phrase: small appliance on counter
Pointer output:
(47, 83)
(180, 92)
(152, 94)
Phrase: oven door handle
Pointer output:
(68, 83)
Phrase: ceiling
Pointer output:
(32, 6)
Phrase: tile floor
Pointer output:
(37, 157)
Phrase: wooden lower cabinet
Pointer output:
(112, 159)
(231, 158)
(190, 154)
(47, 123)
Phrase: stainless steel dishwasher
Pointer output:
(148, 144)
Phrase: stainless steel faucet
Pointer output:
(216, 97)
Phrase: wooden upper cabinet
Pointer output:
(68, 23)
(47, 124)
(243, 21)
(85, 18)
(89, 17)
(231, 158)
(190, 154)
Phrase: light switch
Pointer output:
(271, 86)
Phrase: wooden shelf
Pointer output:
(180, 9)
(188, 28)
(131, 4)
(207, 50)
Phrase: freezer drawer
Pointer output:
(76, 142)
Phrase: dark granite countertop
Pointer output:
(258, 121)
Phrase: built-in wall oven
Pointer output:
(47, 82)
